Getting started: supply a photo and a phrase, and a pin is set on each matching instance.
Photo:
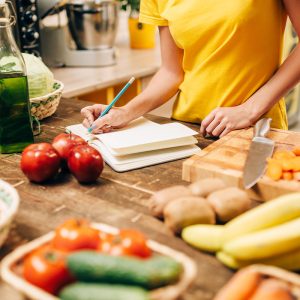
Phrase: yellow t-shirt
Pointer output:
(231, 48)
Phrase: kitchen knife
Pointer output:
(260, 149)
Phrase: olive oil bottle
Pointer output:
(15, 120)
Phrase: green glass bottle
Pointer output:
(15, 119)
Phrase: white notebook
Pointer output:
(142, 143)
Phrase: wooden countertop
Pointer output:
(137, 63)
(119, 199)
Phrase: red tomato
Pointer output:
(76, 235)
(64, 142)
(85, 163)
(46, 268)
(127, 242)
(40, 162)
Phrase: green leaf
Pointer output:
(133, 4)
(7, 67)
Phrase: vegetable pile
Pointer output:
(203, 202)
(268, 234)
(81, 260)
(284, 165)
(43, 161)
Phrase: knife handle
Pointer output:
(262, 127)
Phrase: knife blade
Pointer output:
(260, 149)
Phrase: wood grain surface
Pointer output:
(226, 159)
(117, 199)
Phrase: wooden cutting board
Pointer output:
(226, 158)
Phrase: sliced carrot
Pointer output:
(242, 285)
(283, 154)
(273, 160)
(296, 176)
(274, 170)
(296, 150)
(286, 175)
(287, 164)
(272, 289)
(291, 164)
(296, 164)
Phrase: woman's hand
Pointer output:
(116, 118)
(223, 120)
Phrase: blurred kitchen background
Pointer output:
(95, 46)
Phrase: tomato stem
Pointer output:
(50, 256)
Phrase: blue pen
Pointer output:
(109, 107)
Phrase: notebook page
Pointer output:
(144, 136)
(135, 127)
(139, 157)
(190, 140)
(140, 160)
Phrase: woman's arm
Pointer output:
(225, 119)
(161, 88)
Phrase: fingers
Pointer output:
(104, 129)
(102, 124)
(91, 113)
(87, 113)
(98, 109)
(86, 123)
(205, 123)
(226, 131)
(212, 126)
(219, 129)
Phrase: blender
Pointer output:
(78, 33)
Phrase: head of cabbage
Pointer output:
(40, 78)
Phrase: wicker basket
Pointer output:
(12, 264)
(46, 106)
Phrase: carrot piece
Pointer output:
(291, 164)
(274, 170)
(283, 154)
(296, 176)
(242, 285)
(296, 150)
(286, 175)
(271, 160)
(296, 164)
(271, 289)
(287, 164)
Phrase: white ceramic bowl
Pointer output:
(9, 203)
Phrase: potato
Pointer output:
(160, 199)
(229, 203)
(186, 211)
(204, 187)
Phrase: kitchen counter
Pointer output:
(137, 63)
(119, 199)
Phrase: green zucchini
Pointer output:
(96, 291)
(90, 266)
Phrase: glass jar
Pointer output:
(15, 120)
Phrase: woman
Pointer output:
(224, 58)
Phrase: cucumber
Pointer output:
(96, 291)
(90, 266)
